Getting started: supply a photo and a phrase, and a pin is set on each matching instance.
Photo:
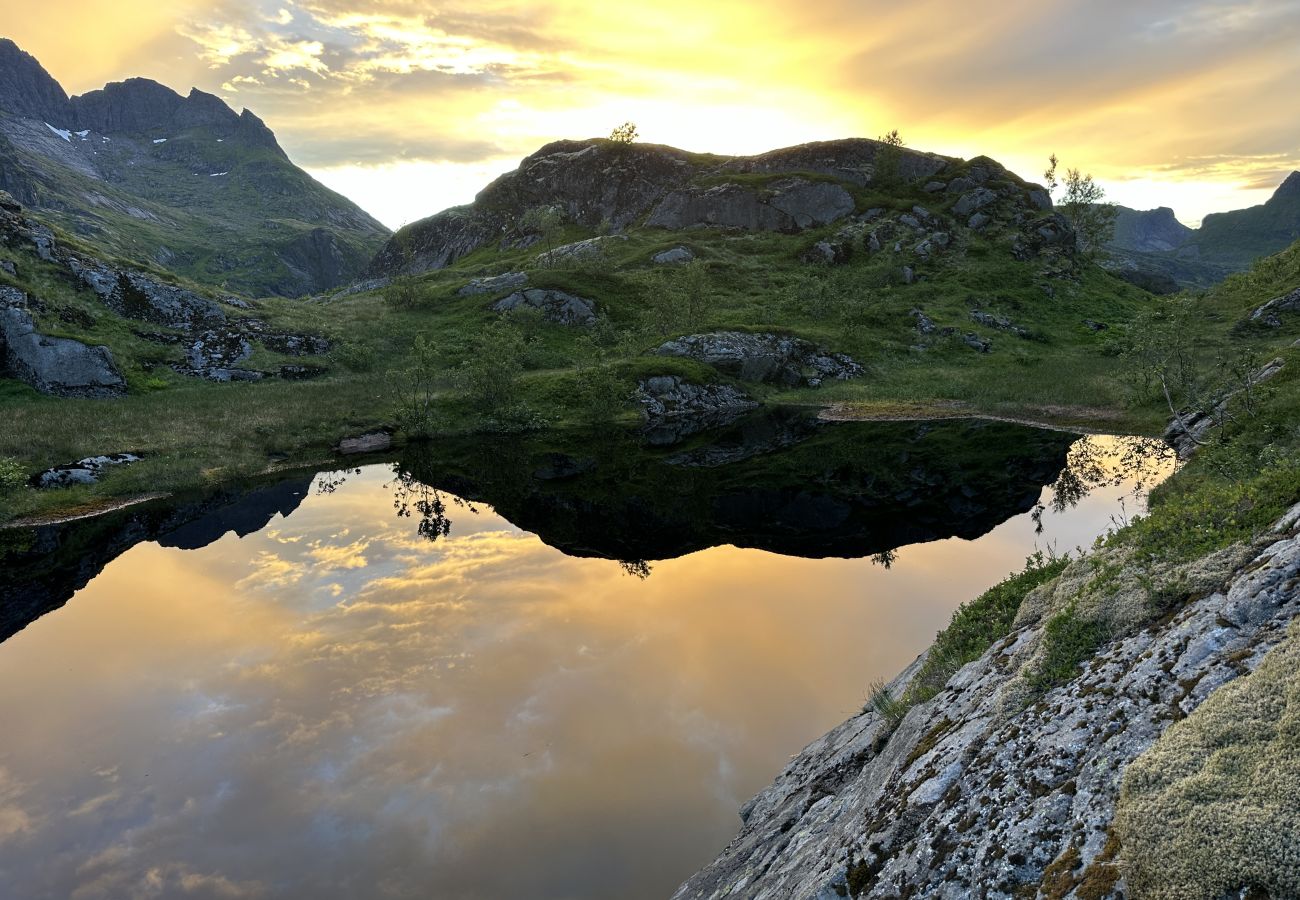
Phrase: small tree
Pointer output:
(543, 221)
(491, 375)
(416, 391)
(624, 134)
(889, 158)
(403, 290)
(1084, 205)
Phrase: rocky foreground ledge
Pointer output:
(1156, 771)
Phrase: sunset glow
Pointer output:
(409, 108)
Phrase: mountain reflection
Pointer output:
(320, 700)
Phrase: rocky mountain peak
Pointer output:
(1289, 190)
(26, 89)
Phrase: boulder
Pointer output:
(978, 222)
(765, 358)
(1270, 314)
(496, 284)
(976, 343)
(85, 471)
(556, 306)
(924, 324)
(59, 366)
(371, 442)
(674, 257)
(934, 187)
(8, 268)
(826, 253)
(973, 201)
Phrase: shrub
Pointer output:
(491, 375)
(12, 476)
(355, 357)
(1069, 639)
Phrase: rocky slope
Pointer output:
(993, 790)
(56, 297)
(178, 181)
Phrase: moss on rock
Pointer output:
(1214, 806)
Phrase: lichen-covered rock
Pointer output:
(770, 358)
(987, 790)
(85, 471)
(674, 257)
(579, 251)
(52, 365)
(495, 284)
(1270, 314)
(555, 306)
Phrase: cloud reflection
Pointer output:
(337, 707)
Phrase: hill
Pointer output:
(601, 285)
(182, 182)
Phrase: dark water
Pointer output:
(506, 668)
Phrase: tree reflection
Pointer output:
(638, 568)
(329, 482)
(413, 498)
(1095, 463)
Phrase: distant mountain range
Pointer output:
(1153, 246)
(182, 182)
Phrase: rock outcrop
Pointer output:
(675, 408)
(212, 340)
(788, 205)
(990, 790)
(766, 358)
(596, 183)
(53, 365)
(555, 306)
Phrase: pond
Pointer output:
(541, 668)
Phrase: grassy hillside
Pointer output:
(480, 370)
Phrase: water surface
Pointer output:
(514, 669)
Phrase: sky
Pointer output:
(409, 107)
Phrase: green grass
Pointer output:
(978, 625)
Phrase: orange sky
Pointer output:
(411, 106)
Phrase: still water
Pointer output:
(505, 670)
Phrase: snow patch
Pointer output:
(66, 135)
(218, 174)
(161, 141)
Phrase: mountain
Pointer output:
(1236, 239)
(1154, 250)
(182, 182)
(1150, 231)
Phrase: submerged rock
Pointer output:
(770, 358)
